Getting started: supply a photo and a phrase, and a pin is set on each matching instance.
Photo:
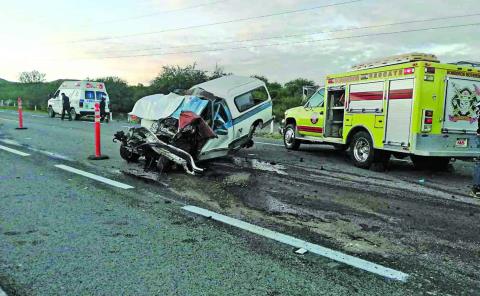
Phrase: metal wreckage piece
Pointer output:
(169, 141)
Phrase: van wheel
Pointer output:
(430, 163)
(73, 113)
(128, 155)
(289, 139)
(361, 150)
(51, 113)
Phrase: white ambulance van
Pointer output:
(82, 94)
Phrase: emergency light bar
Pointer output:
(397, 59)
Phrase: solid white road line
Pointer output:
(2, 293)
(8, 119)
(297, 243)
(14, 151)
(271, 144)
(93, 176)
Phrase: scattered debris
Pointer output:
(301, 251)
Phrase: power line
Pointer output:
(299, 35)
(290, 43)
(215, 23)
(162, 12)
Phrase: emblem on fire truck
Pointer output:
(464, 104)
(314, 118)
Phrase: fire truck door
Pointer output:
(399, 112)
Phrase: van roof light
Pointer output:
(396, 59)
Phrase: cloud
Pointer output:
(38, 43)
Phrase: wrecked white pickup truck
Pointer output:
(213, 119)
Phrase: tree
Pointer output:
(32, 77)
(175, 77)
(294, 87)
(218, 72)
(120, 94)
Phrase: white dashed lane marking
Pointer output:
(14, 151)
(297, 243)
(93, 176)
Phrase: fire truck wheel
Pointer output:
(361, 150)
(289, 138)
(430, 163)
(51, 113)
(128, 155)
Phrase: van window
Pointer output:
(89, 95)
(101, 94)
(250, 99)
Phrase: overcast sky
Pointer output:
(79, 39)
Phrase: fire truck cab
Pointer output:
(406, 105)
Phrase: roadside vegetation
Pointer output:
(35, 91)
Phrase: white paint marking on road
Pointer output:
(93, 176)
(11, 142)
(51, 154)
(271, 144)
(295, 242)
(41, 116)
(14, 151)
(2, 293)
(8, 119)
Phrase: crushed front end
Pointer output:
(175, 140)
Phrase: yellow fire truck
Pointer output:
(406, 105)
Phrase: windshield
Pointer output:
(193, 104)
(317, 99)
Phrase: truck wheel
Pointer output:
(128, 155)
(51, 113)
(289, 139)
(430, 163)
(361, 150)
(73, 113)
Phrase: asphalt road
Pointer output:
(63, 233)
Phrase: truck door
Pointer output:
(311, 118)
(399, 112)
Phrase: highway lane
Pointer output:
(62, 234)
(352, 216)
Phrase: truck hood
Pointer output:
(157, 106)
